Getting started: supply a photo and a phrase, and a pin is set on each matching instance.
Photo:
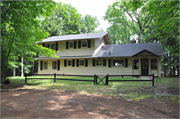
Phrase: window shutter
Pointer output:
(41, 65)
(89, 43)
(43, 45)
(74, 44)
(104, 62)
(126, 62)
(65, 63)
(79, 44)
(93, 62)
(67, 44)
(77, 63)
(58, 65)
(86, 62)
(56, 46)
(73, 63)
(109, 62)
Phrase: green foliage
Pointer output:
(21, 28)
(65, 20)
(89, 24)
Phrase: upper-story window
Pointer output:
(71, 44)
(47, 45)
(52, 45)
(84, 43)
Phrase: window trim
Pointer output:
(98, 61)
(156, 64)
(134, 64)
(54, 46)
(119, 60)
(44, 65)
(72, 44)
(82, 43)
(52, 65)
(80, 62)
(68, 63)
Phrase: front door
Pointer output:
(144, 67)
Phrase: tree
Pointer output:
(165, 27)
(119, 31)
(20, 31)
(89, 24)
(64, 20)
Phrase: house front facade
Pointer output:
(93, 53)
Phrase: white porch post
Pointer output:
(22, 73)
(133, 65)
(157, 66)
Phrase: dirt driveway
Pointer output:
(65, 104)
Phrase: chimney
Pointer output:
(109, 53)
(133, 41)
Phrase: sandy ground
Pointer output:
(67, 104)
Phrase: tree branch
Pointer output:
(131, 17)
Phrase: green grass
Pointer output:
(128, 90)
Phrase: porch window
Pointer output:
(81, 62)
(118, 63)
(98, 62)
(71, 44)
(84, 43)
(45, 65)
(54, 65)
(136, 64)
(153, 64)
(69, 62)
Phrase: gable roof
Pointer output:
(78, 37)
(129, 50)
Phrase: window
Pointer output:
(98, 62)
(54, 64)
(47, 45)
(117, 63)
(52, 46)
(84, 43)
(153, 64)
(69, 62)
(45, 65)
(81, 62)
(136, 64)
(71, 44)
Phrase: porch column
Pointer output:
(132, 65)
(157, 66)
(14, 69)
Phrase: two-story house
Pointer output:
(93, 53)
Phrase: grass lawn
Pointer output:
(128, 90)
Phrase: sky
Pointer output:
(92, 7)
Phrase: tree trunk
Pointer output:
(14, 70)
(22, 73)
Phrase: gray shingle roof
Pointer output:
(128, 50)
(122, 50)
(75, 37)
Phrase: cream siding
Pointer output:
(99, 70)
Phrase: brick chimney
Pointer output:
(133, 41)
